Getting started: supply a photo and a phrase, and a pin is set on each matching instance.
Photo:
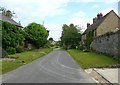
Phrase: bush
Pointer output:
(89, 39)
(11, 50)
(20, 49)
(80, 47)
(36, 34)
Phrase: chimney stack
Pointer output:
(19, 23)
(99, 16)
(88, 24)
(94, 20)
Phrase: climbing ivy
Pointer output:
(89, 39)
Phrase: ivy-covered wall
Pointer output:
(108, 44)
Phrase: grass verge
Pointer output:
(28, 56)
(89, 60)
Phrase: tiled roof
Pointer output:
(97, 23)
(7, 19)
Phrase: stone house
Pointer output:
(103, 24)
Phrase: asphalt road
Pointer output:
(56, 67)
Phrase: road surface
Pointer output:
(56, 67)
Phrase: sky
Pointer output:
(55, 13)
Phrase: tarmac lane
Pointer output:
(56, 67)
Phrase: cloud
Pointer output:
(83, 0)
(104, 12)
(103, 1)
(110, 1)
(79, 18)
(55, 30)
(41, 8)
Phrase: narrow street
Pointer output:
(56, 67)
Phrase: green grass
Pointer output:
(27, 56)
(89, 59)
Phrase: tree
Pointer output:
(12, 36)
(70, 36)
(36, 34)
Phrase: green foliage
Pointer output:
(20, 49)
(12, 36)
(36, 34)
(89, 39)
(70, 36)
(11, 50)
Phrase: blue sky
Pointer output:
(55, 13)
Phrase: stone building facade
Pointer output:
(103, 24)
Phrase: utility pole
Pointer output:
(43, 23)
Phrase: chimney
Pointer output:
(19, 23)
(88, 24)
(94, 20)
(99, 16)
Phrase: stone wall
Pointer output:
(107, 44)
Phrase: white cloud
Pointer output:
(79, 18)
(104, 12)
(55, 30)
(110, 1)
(103, 1)
(83, 0)
(41, 8)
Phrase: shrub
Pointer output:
(89, 39)
(36, 34)
(11, 50)
(19, 49)
(80, 47)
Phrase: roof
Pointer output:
(5, 18)
(95, 25)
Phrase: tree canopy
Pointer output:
(36, 34)
(70, 36)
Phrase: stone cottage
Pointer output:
(103, 24)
